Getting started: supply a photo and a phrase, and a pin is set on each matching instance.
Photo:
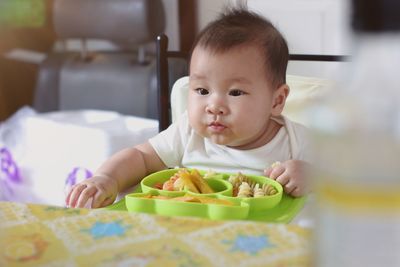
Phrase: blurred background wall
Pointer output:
(310, 26)
(25, 25)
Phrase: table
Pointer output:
(40, 235)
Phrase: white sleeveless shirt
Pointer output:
(181, 146)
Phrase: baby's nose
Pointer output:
(216, 109)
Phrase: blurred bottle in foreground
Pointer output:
(357, 140)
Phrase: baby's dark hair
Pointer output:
(239, 26)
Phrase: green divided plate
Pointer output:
(137, 202)
(277, 208)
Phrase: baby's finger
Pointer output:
(88, 204)
(85, 195)
(277, 171)
(68, 198)
(289, 188)
(70, 195)
(98, 199)
(74, 194)
(283, 179)
(107, 201)
(267, 172)
(296, 192)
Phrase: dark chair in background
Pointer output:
(123, 79)
(166, 77)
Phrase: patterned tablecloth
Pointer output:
(36, 235)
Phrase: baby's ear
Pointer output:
(279, 99)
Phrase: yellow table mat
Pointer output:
(38, 235)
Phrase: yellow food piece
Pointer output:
(188, 183)
(186, 199)
(245, 190)
(159, 197)
(183, 179)
(178, 185)
(200, 182)
(210, 200)
(258, 192)
(269, 190)
(276, 163)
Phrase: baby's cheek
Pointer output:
(197, 126)
(193, 118)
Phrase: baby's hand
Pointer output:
(101, 188)
(291, 175)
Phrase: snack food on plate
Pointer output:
(244, 190)
(200, 182)
(243, 186)
(187, 182)
(183, 179)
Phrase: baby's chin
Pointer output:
(219, 139)
(229, 142)
(222, 141)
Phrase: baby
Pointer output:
(237, 91)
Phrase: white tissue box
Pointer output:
(58, 142)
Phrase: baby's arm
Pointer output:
(123, 170)
(291, 175)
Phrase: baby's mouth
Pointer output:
(216, 126)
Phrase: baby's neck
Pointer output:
(264, 138)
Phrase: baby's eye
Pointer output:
(236, 92)
(201, 91)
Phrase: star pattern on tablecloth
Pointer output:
(249, 244)
(106, 229)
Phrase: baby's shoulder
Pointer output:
(288, 123)
(297, 132)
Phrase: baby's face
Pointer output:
(230, 98)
